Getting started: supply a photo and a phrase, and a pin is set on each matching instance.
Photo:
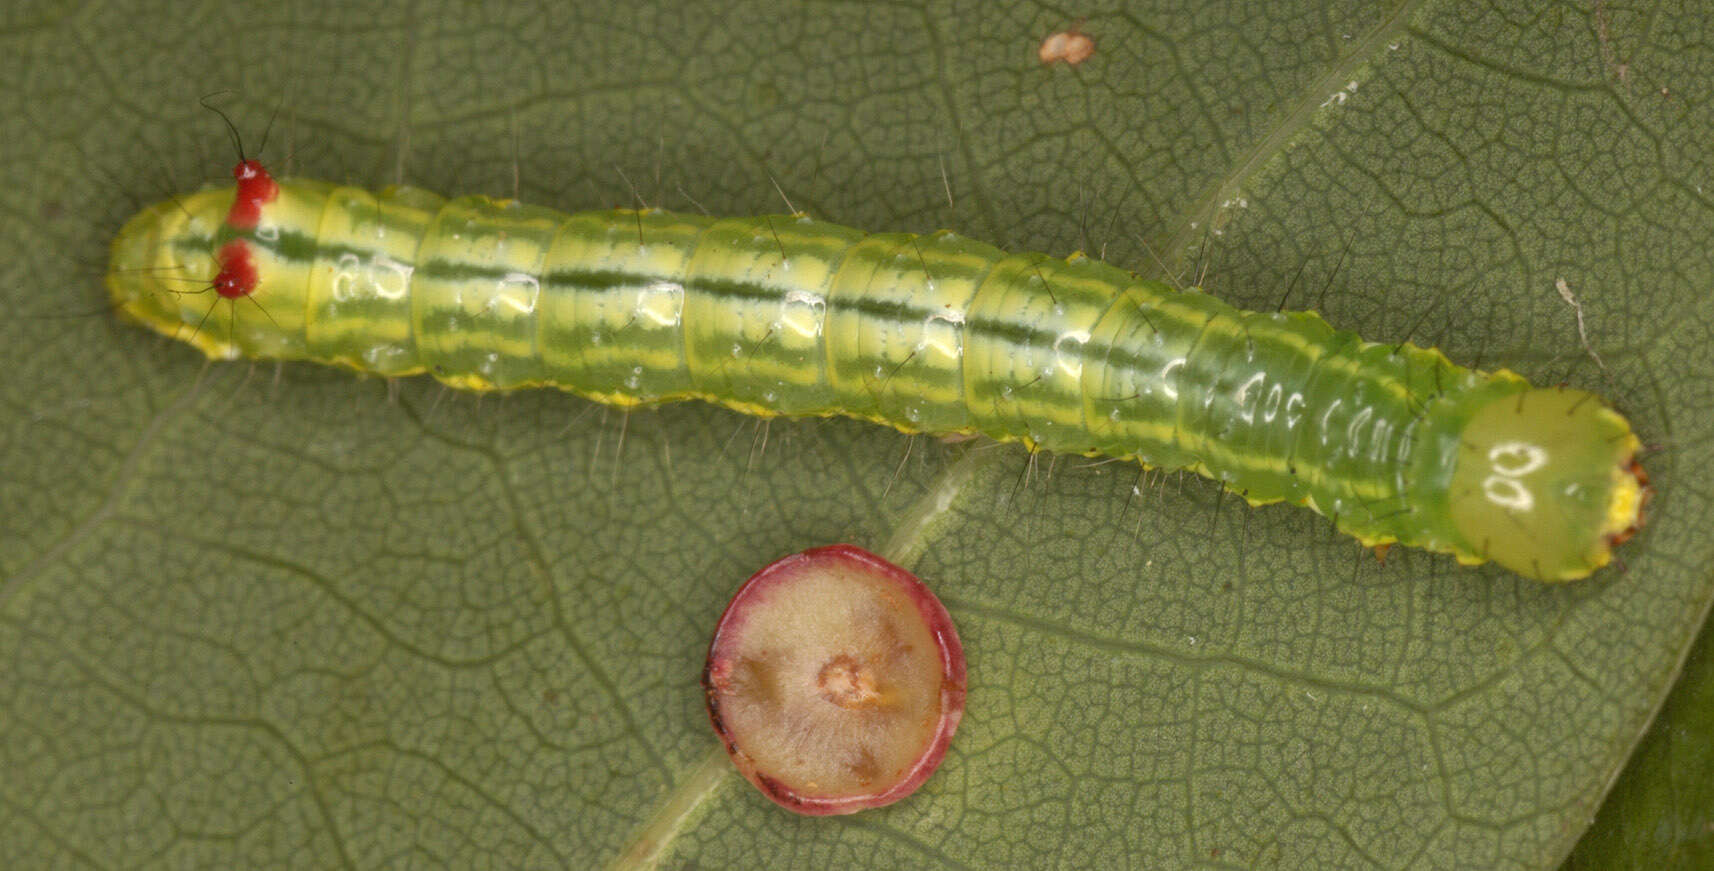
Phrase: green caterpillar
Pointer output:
(785, 315)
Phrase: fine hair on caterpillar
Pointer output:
(935, 333)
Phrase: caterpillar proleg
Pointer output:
(937, 333)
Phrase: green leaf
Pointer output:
(282, 616)
(1661, 812)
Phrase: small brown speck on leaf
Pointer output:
(1071, 45)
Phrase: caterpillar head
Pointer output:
(174, 261)
(164, 264)
(1547, 482)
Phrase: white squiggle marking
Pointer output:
(801, 313)
(943, 331)
(661, 303)
(1510, 461)
(1516, 459)
(1354, 432)
(1243, 396)
(1327, 419)
(1272, 409)
(517, 291)
(1068, 350)
(380, 277)
(1167, 371)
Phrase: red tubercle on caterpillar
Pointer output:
(256, 188)
(238, 275)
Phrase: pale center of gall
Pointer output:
(848, 683)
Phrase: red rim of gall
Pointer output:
(935, 621)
